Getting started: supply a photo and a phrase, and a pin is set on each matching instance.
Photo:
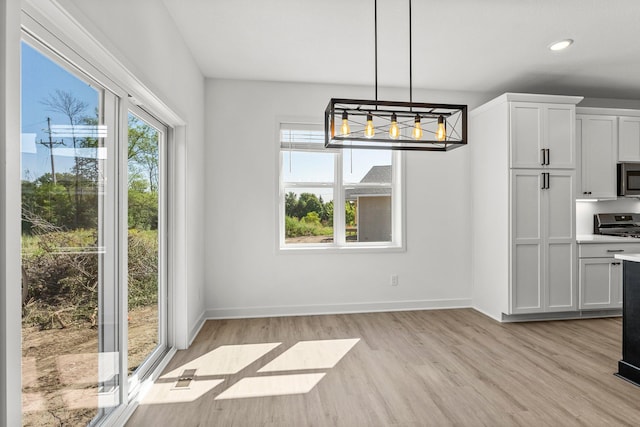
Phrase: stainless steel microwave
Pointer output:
(629, 179)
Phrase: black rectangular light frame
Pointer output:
(455, 116)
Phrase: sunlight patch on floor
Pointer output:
(224, 360)
(277, 385)
(162, 393)
(323, 354)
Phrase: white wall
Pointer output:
(143, 37)
(247, 276)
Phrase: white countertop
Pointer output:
(600, 238)
(628, 257)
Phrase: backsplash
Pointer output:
(586, 210)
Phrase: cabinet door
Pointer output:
(600, 283)
(526, 134)
(598, 136)
(559, 135)
(629, 142)
(558, 217)
(537, 127)
(527, 242)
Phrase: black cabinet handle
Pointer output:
(615, 250)
(543, 153)
(548, 180)
(615, 263)
(548, 156)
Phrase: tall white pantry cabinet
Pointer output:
(523, 178)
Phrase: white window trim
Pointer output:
(398, 217)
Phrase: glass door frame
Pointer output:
(111, 312)
(161, 349)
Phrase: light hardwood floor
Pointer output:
(417, 368)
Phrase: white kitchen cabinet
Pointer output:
(596, 138)
(544, 246)
(600, 275)
(600, 283)
(542, 135)
(524, 261)
(629, 139)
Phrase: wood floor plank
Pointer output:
(420, 368)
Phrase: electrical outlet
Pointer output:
(394, 280)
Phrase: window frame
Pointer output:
(339, 244)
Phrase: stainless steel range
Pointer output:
(617, 224)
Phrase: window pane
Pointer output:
(144, 190)
(300, 166)
(308, 215)
(368, 214)
(69, 324)
(367, 166)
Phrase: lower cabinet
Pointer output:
(600, 283)
(600, 274)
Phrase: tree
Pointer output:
(143, 207)
(350, 213)
(143, 152)
(327, 213)
(308, 202)
(73, 109)
(290, 203)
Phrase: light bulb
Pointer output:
(394, 132)
(344, 129)
(417, 129)
(369, 130)
(441, 132)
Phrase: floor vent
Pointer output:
(185, 379)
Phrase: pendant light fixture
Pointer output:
(391, 125)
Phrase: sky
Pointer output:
(318, 167)
(41, 77)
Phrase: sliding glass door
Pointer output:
(93, 197)
(146, 284)
(70, 334)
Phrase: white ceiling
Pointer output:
(469, 45)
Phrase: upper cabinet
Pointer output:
(542, 135)
(629, 139)
(596, 139)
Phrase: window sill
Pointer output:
(307, 249)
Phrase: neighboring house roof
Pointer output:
(377, 175)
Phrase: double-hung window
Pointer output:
(331, 198)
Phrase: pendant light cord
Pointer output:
(375, 36)
(410, 63)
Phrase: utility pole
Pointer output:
(50, 145)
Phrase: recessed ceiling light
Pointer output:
(561, 45)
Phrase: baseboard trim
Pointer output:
(486, 313)
(322, 309)
(565, 315)
(193, 333)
